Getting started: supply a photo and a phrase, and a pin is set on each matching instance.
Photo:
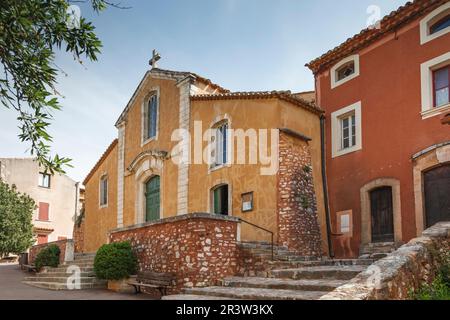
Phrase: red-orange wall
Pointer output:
(389, 89)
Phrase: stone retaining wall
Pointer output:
(400, 272)
(199, 248)
(65, 246)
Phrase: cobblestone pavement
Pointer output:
(12, 288)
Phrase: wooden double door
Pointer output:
(437, 195)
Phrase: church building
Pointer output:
(186, 145)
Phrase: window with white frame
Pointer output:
(346, 130)
(435, 86)
(435, 24)
(103, 191)
(441, 80)
(150, 121)
(220, 154)
(44, 180)
(345, 70)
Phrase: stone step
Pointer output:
(288, 284)
(255, 293)
(64, 269)
(63, 274)
(62, 279)
(84, 254)
(193, 297)
(63, 286)
(84, 259)
(75, 263)
(334, 262)
(319, 272)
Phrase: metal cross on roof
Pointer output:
(155, 57)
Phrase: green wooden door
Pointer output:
(152, 199)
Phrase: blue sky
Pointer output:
(239, 44)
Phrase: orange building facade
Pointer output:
(385, 93)
(143, 176)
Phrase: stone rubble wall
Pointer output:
(34, 250)
(404, 270)
(200, 249)
(78, 237)
(298, 225)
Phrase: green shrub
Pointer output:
(115, 261)
(48, 257)
(439, 289)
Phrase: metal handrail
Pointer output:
(263, 229)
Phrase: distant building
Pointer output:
(56, 197)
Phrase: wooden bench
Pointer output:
(29, 267)
(154, 280)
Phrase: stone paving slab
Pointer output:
(274, 283)
(12, 288)
(320, 272)
(256, 293)
(193, 297)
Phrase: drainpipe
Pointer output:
(325, 186)
(76, 201)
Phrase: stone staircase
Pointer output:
(287, 277)
(56, 278)
(378, 250)
(263, 251)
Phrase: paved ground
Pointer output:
(12, 288)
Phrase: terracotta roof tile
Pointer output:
(282, 95)
(446, 119)
(99, 162)
(391, 22)
(42, 230)
(198, 77)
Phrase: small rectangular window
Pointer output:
(220, 200)
(44, 180)
(43, 211)
(221, 144)
(103, 191)
(247, 201)
(441, 81)
(348, 131)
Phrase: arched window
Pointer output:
(435, 24)
(151, 117)
(219, 197)
(441, 24)
(345, 71)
